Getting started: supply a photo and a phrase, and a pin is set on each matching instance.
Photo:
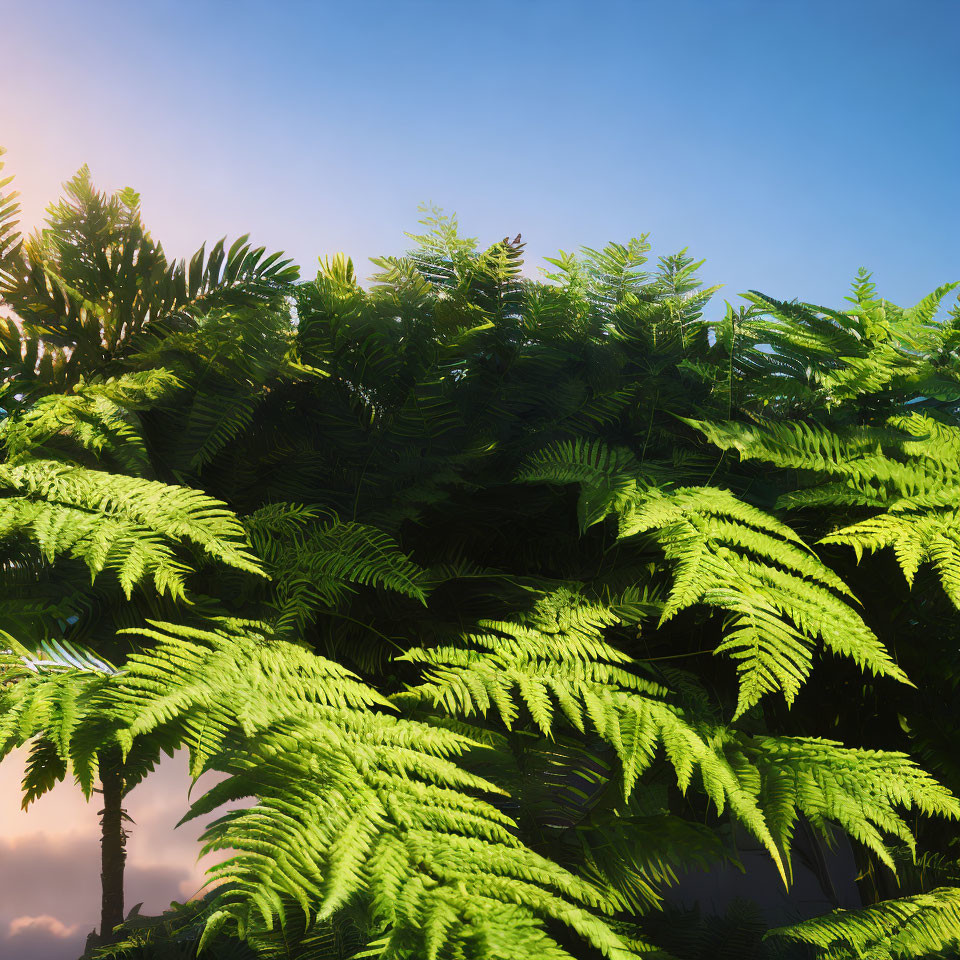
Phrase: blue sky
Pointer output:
(788, 143)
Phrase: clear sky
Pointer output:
(788, 142)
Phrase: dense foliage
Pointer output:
(508, 600)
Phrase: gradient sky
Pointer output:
(788, 143)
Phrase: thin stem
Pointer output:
(675, 656)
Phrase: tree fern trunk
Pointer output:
(113, 841)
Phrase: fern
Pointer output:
(315, 558)
(915, 481)
(859, 790)
(47, 700)
(779, 598)
(93, 281)
(921, 926)
(379, 810)
(121, 523)
(99, 417)
(765, 781)
(610, 479)
(515, 507)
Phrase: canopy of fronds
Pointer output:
(508, 600)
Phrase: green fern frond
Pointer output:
(860, 790)
(909, 467)
(352, 803)
(50, 700)
(99, 417)
(779, 598)
(567, 669)
(609, 478)
(314, 558)
(123, 523)
(915, 927)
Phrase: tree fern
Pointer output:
(93, 280)
(504, 527)
(379, 810)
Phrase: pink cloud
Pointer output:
(45, 922)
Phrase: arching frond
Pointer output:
(121, 523)
(379, 808)
(919, 926)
